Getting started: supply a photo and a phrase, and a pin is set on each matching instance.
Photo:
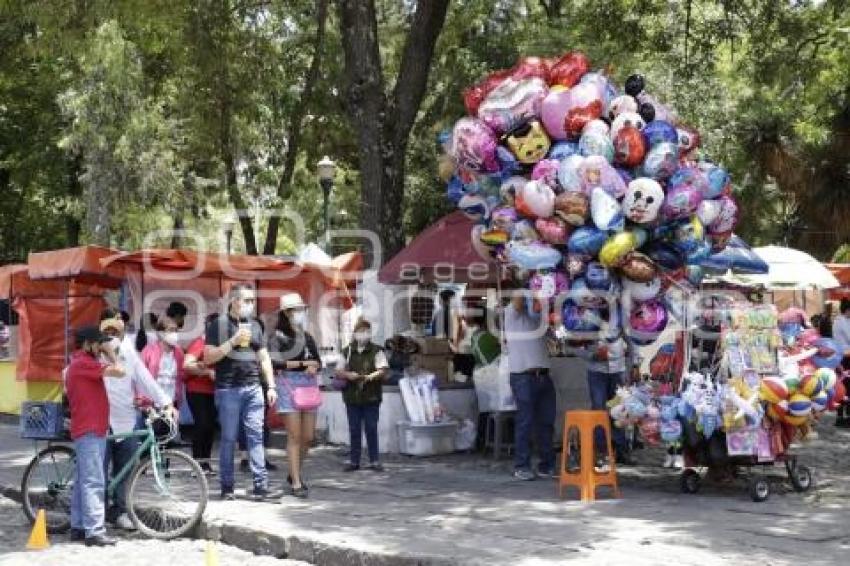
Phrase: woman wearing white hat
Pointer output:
(296, 361)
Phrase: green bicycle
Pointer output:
(166, 495)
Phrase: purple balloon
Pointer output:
(649, 316)
(474, 146)
(681, 202)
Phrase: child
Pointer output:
(89, 425)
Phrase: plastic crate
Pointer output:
(42, 420)
(426, 439)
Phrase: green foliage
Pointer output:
(122, 114)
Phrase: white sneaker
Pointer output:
(678, 462)
(123, 522)
(668, 461)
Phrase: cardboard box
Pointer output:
(433, 346)
(438, 365)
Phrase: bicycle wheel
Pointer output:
(48, 484)
(166, 499)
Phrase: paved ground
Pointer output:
(466, 510)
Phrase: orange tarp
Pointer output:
(41, 344)
(7, 272)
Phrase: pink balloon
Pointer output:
(566, 113)
(474, 146)
(546, 171)
(552, 230)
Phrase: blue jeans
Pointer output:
(87, 511)
(116, 456)
(603, 387)
(243, 406)
(535, 415)
(360, 416)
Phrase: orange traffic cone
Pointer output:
(38, 536)
(211, 555)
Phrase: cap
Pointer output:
(113, 323)
(90, 334)
(291, 301)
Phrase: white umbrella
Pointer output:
(792, 270)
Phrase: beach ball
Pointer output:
(795, 420)
(799, 405)
(827, 378)
(773, 389)
(810, 385)
(778, 411)
(792, 382)
(820, 401)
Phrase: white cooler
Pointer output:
(426, 439)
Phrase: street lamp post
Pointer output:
(229, 223)
(326, 169)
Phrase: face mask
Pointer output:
(362, 338)
(299, 319)
(171, 338)
(246, 310)
(115, 343)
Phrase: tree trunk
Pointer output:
(383, 123)
(296, 120)
(177, 232)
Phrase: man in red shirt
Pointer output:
(89, 425)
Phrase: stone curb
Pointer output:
(291, 547)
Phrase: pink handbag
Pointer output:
(304, 397)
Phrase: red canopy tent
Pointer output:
(58, 289)
(442, 253)
(842, 273)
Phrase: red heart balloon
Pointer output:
(569, 69)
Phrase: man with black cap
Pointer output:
(89, 425)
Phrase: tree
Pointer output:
(383, 120)
(126, 144)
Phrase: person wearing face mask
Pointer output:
(147, 331)
(365, 369)
(90, 365)
(296, 361)
(164, 360)
(124, 416)
(236, 348)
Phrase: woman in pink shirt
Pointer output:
(164, 359)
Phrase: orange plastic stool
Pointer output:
(586, 478)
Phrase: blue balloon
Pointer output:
(659, 131)
(738, 257)
(581, 319)
(598, 277)
(718, 178)
(507, 160)
(562, 149)
(665, 255)
(454, 190)
(587, 240)
(661, 161)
